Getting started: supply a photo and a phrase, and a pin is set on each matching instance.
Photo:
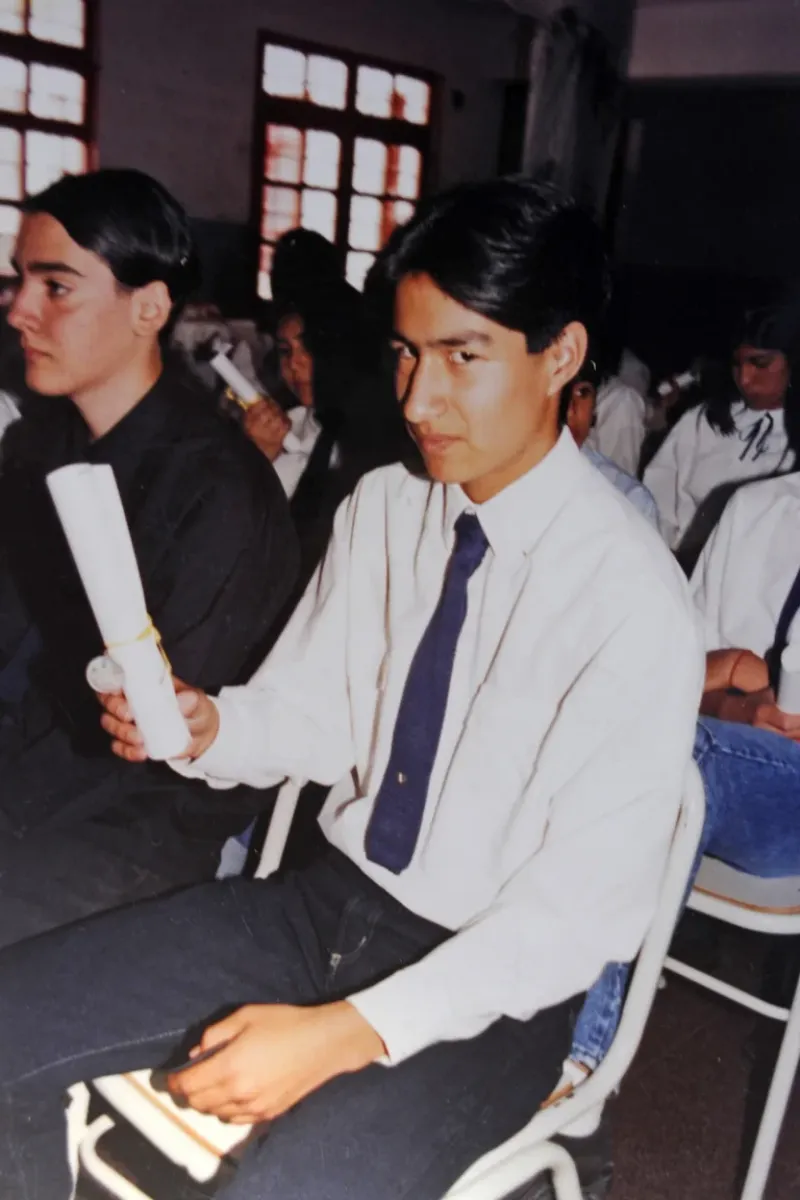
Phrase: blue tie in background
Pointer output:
(397, 815)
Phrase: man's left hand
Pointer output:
(276, 1054)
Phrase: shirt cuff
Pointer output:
(217, 767)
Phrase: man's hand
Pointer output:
(201, 717)
(276, 1055)
(759, 710)
(735, 669)
(267, 425)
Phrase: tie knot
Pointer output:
(471, 543)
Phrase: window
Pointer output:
(46, 80)
(343, 148)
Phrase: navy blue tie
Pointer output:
(397, 815)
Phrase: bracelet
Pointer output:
(736, 662)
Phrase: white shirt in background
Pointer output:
(695, 459)
(297, 446)
(749, 564)
(619, 429)
(9, 412)
(633, 372)
(567, 734)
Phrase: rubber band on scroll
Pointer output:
(148, 632)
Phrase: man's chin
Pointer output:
(46, 383)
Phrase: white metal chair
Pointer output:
(763, 906)
(203, 1146)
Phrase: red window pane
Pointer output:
(366, 223)
(412, 99)
(57, 94)
(319, 212)
(358, 264)
(374, 92)
(265, 271)
(284, 72)
(13, 84)
(405, 172)
(322, 159)
(48, 157)
(284, 154)
(281, 211)
(369, 167)
(326, 82)
(12, 16)
(62, 21)
(10, 164)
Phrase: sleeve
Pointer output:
(667, 478)
(613, 766)
(293, 717)
(709, 577)
(621, 433)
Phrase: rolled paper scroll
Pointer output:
(88, 504)
(243, 390)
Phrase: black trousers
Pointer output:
(131, 988)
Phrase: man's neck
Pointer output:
(481, 490)
(103, 405)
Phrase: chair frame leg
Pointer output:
(775, 1108)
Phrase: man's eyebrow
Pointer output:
(47, 268)
(453, 341)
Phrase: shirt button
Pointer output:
(401, 778)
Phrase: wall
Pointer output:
(178, 77)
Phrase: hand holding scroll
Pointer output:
(198, 710)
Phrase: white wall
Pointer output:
(716, 38)
(178, 77)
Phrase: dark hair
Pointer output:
(132, 223)
(304, 262)
(515, 251)
(589, 373)
(771, 328)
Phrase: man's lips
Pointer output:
(435, 443)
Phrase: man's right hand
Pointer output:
(760, 710)
(200, 712)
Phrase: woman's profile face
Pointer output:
(297, 365)
(762, 376)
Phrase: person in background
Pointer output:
(104, 263)
(750, 430)
(619, 430)
(497, 667)
(747, 589)
(577, 413)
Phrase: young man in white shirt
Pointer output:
(497, 667)
(747, 589)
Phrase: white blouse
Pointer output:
(619, 425)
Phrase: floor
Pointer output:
(679, 1119)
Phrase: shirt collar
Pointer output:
(516, 517)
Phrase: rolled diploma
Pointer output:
(789, 684)
(87, 500)
(235, 380)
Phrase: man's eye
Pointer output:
(56, 289)
(462, 358)
(401, 352)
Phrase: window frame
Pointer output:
(347, 124)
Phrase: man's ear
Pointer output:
(151, 308)
(565, 356)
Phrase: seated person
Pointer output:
(475, 667)
(619, 430)
(577, 413)
(105, 261)
(746, 748)
(748, 431)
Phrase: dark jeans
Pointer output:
(132, 988)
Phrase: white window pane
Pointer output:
(323, 155)
(265, 272)
(284, 157)
(12, 16)
(413, 101)
(405, 172)
(358, 265)
(369, 167)
(62, 21)
(13, 84)
(374, 92)
(10, 164)
(281, 211)
(9, 228)
(327, 81)
(284, 72)
(366, 223)
(48, 157)
(57, 94)
(319, 213)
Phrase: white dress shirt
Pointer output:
(567, 734)
(619, 425)
(695, 459)
(749, 564)
(297, 446)
(629, 485)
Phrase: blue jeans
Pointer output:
(752, 785)
(133, 988)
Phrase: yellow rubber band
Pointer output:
(148, 632)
